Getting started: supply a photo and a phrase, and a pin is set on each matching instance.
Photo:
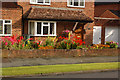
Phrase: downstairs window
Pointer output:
(42, 28)
(5, 27)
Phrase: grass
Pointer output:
(32, 70)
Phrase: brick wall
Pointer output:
(99, 9)
(59, 53)
(14, 13)
(88, 10)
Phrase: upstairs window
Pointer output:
(44, 2)
(76, 3)
(5, 27)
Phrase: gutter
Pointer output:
(106, 18)
(22, 17)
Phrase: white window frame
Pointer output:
(35, 28)
(73, 4)
(40, 3)
(6, 24)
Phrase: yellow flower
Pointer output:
(28, 42)
(69, 35)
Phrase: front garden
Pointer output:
(66, 40)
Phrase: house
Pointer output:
(107, 22)
(41, 18)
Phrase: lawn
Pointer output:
(32, 70)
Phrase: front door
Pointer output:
(96, 34)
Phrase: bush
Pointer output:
(70, 42)
(112, 44)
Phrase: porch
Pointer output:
(43, 22)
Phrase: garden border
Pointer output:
(51, 53)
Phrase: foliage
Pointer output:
(70, 42)
(99, 46)
(112, 44)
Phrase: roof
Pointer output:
(57, 15)
(106, 3)
(116, 12)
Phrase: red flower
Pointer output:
(22, 37)
(63, 37)
(60, 37)
(23, 45)
(30, 39)
(37, 43)
(84, 42)
(66, 38)
(34, 42)
(18, 41)
(13, 37)
(64, 42)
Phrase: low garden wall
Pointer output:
(59, 53)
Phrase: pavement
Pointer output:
(107, 74)
(16, 62)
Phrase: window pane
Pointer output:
(38, 27)
(7, 21)
(40, 1)
(1, 27)
(33, 1)
(76, 3)
(32, 28)
(51, 28)
(45, 23)
(45, 30)
(7, 29)
(81, 2)
(47, 1)
(70, 2)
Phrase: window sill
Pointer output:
(5, 34)
(76, 6)
(40, 3)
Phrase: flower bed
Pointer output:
(67, 40)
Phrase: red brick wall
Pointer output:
(99, 9)
(12, 12)
(57, 53)
(15, 13)
(88, 10)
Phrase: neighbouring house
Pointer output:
(41, 18)
(107, 22)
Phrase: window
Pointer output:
(5, 27)
(42, 28)
(44, 2)
(76, 3)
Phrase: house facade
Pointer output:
(41, 18)
(107, 22)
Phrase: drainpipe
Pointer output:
(22, 17)
(75, 26)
